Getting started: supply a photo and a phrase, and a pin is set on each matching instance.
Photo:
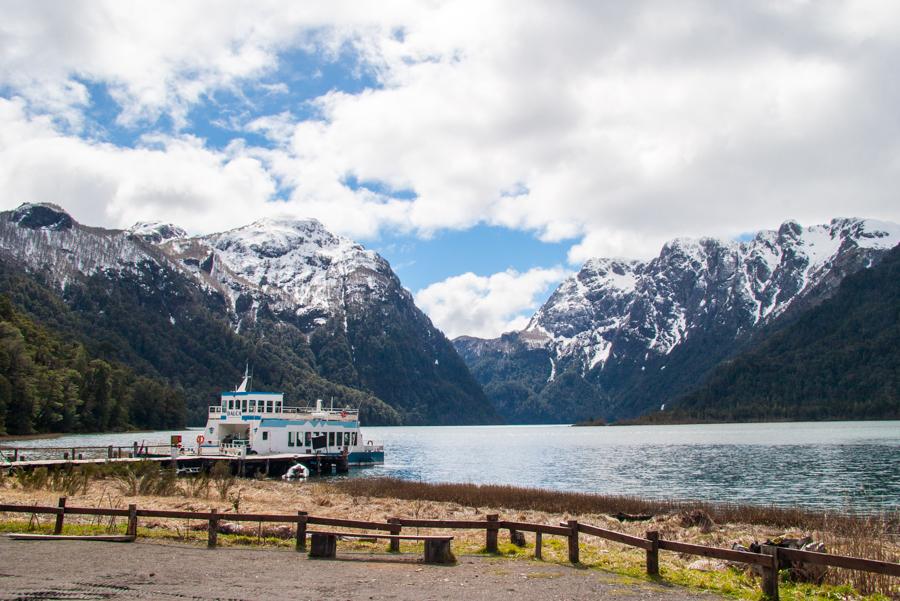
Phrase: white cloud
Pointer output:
(619, 124)
(487, 306)
(169, 178)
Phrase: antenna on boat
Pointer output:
(246, 382)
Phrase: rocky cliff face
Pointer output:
(273, 280)
(621, 325)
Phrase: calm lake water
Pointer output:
(850, 466)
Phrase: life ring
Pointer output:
(200, 439)
(343, 414)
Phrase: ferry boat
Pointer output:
(257, 423)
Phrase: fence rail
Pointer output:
(492, 524)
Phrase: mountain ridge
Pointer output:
(331, 315)
(619, 325)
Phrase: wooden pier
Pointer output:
(245, 466)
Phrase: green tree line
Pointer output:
(50, 385)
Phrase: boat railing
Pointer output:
(311, 411)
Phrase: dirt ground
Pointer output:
(150, 570)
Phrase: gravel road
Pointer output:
(152, 570)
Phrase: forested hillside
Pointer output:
(840, 360)
(153, 321)
(49, 385)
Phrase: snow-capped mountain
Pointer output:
(294, 267)
(619, 323)
(319, 298)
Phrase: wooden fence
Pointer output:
(492, 524)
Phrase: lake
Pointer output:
(847, 466)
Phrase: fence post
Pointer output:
(212, 534)
(395, 530)
(57, 529)
(493, 528)
(131, 529)
(134, 449)
(301, 531)
(770, 573)
(109, 452)
(538, 539)
(573, 541)
(653, 553)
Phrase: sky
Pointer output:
(485, 148)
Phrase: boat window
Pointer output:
(331, 439)
(308, 438)
(265, 435)
(268, 406)
(353, 439)
(290, 439)
(346, 439)
(252, 405)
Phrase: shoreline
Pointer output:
(44, 436)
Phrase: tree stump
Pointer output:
(323, 546)
(517, 538)
(437, 550)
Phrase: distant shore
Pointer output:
(47, 436)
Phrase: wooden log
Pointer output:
(714, 552)
(131, 529)
(842, 561)
(396, 525)
(625, 539)
(323, 546)
(108, 538)
(561, 530)
(57, 529)
(212, 532)
(538, 540)
(770, 573)
(455, 524)
(573, 542)
(437, 550)
(102, 511)
(348, 523)
(493, 527)
(653, 553)
(300, 544)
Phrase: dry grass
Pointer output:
(552, 501)
(380, 499)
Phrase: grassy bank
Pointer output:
(379, 499)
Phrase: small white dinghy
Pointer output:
(296, 472)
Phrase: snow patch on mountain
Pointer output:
(296, 266)
(156, 232)
(45, 237)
